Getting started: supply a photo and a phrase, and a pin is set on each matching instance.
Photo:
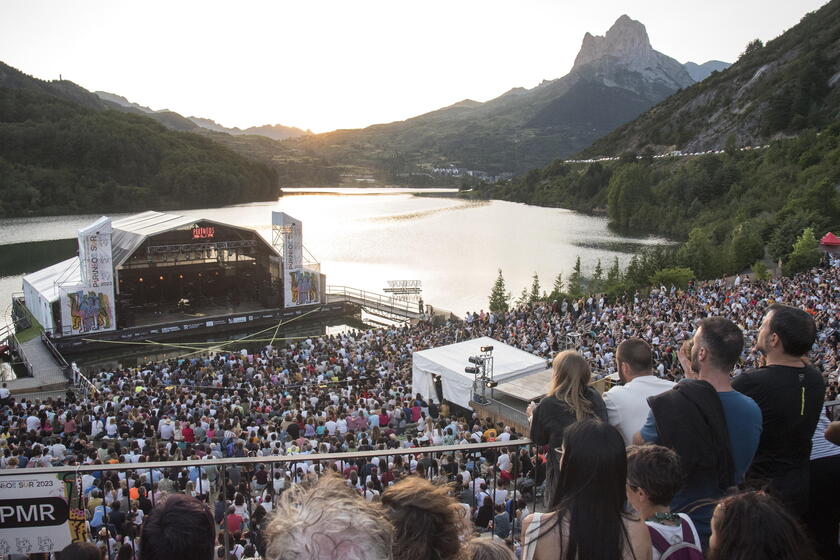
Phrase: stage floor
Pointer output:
(153, 316)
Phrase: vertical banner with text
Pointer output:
(89, 306)
(296, 280)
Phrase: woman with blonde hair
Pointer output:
(569, 399)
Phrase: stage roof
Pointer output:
(449, 362)
(47, 280)
(129, 233)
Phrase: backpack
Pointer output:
(686, 549)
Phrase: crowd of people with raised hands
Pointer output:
(747, 412)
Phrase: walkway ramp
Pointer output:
(47, 372)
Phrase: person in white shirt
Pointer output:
(627, 406)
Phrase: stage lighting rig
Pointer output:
(482, 369)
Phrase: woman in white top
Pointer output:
(587, 518)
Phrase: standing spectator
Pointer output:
(569, 399)
(714, 429)
(653, 478)
(755, 526)
(428, 523)
(588, 520)
(178, 528)
(823, 518)
(627, 406)
(328, 520)
(790, 394)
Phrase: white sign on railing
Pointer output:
(33, 514)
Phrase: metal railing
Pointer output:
(148, 475)
(374, 302)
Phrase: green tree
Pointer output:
(557, 290)
(597, 284)
(745, 247)
(752, 47)
(760, 271)
(576, 280)
(675, 276)
(523, 298)
(698, 254)
(806, 253)
(629, 190)
(535, 289)
(499, 296)
(613, 284)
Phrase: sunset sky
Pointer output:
(346, 64)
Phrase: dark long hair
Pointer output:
(755, 526)
(591, 492)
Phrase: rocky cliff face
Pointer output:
(624, 58)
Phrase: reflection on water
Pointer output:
(621, 246)
(455, 247)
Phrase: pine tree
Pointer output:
(576, 280)
(499, 296)
(557, 290)
(613, 284)
(597, 279)
(535, 289)
(523, 297)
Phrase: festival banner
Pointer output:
(34, 514)
(86, 310)
(95, 254)
(89, 306)
(291, 245)
(303, 288)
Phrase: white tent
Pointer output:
(449, 362)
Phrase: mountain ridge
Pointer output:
(521, 128)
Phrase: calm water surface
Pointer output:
(364, 237)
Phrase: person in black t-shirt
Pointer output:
(790, 394)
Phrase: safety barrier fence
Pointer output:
(210, 474)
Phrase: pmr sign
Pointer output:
(33, 514)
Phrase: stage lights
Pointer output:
(491, 384)
(486, 348)
(477, 360)
(471, 369)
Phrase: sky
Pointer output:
(330, 64)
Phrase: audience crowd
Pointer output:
(351, 392)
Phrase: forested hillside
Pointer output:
(60, 157)
(729, 207)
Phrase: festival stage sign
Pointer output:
(89, 306)
(289, 237)
(95, 255)
(34, 514)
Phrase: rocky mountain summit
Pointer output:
(626, 49)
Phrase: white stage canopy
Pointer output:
(449, 362)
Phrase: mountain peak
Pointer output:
(627, 39)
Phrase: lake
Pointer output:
(365, 237)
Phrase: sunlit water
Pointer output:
(365, 237)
